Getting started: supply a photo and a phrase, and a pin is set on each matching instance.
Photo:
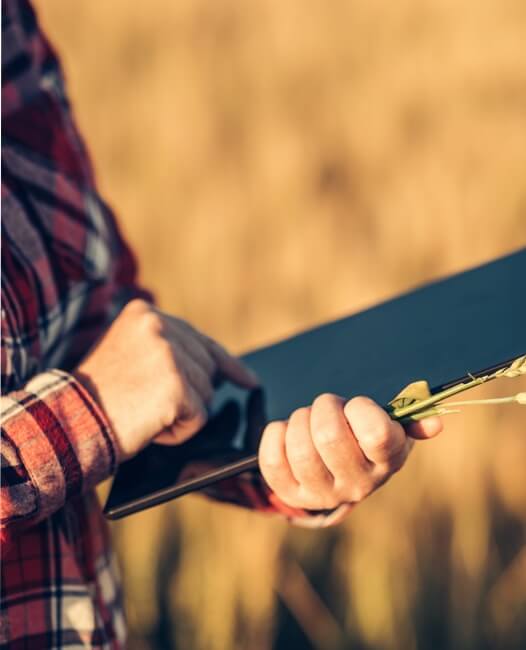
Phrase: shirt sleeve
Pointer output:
(56, 444)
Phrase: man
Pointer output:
(92, 371)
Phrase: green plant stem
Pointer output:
(421, 405)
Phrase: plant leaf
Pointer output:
(415, 392)
(517, 368)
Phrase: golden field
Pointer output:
(275, 165)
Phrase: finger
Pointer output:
(231, 367)
(274, 465)
(198, 378)
(191, 417)
(382, 440)
(424, 429)
(200, 353)
(304, 460)
(335, 442)
(191, 341)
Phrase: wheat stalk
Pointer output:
(416, 402)
(520, 398)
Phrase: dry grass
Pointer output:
(276, 165)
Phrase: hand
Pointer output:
(334, 452)
(153, 376)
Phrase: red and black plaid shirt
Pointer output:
(66, 273)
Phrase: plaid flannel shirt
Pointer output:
(66, 273)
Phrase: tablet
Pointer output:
(465, 324)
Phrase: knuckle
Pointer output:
(152, 323)
(359, 492)
(378, 438)
(274, 429)
(361, 401)
(326, 400)
(298, 423)
(357, 404)
(301, 413)
(327, 436)
(136, 306)
(271, 464)
(299, 454)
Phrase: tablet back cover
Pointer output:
(463, 324)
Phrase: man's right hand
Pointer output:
(153, 376)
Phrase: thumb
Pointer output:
(424, 429)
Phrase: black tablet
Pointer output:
(465, 324)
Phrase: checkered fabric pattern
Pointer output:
(66, 274)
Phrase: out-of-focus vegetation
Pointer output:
(277, 164)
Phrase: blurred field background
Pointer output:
(275, 165)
